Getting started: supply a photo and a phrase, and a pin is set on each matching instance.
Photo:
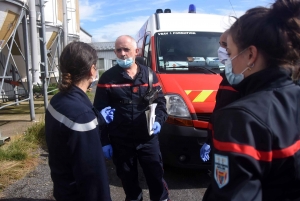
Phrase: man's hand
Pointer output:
(156, 128)
(204, 152)
(108, 151)
(108, 114)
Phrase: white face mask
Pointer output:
(232, 77)
(94, 79)
(222, 54)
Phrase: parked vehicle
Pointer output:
(181, 48)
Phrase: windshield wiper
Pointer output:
(203, 67)
(194, 67)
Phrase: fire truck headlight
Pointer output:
(176, 106)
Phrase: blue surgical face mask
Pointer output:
(125, 63)
(232, 77)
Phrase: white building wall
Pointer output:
(85, 37)
(106, 59)
(110, 54)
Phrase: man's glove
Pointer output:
(204, 152)
(108, 114)
(108, 151)
(156, 128)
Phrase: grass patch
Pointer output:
(91, 96)
(19, 156)
(101, 72)
(53, 87)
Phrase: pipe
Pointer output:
(44, 62)
(34, 42)
(58, 55)
(29, 81)
(65, 23)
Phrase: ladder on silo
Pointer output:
(13, 81)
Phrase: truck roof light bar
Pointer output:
(159, 10)
(167, 10)
(192, 8)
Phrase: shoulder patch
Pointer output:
(221, 170)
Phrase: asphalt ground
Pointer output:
(184, 184)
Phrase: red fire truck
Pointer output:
(181, 48)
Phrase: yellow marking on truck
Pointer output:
(203, 96)
(188, 92)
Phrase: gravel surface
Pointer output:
(184, 184)
(36, 185)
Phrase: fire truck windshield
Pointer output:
(188, 52)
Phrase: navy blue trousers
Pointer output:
(126, 153)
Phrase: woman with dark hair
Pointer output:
(256, 139)
(72, 128)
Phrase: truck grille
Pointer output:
(203, 116)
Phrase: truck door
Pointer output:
(147, 50)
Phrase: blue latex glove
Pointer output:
(204, 152)
(108, 114)
(156, 128)
(108, 151)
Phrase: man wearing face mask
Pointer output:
(222, 53)
(127, 140)
(225, 95)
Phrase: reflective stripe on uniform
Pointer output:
(71, 124)
(125, 85)
(230, 88)
(257, 154)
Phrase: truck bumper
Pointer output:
(180, 146)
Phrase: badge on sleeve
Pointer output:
(135, 89)
(221, 171)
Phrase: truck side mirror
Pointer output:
(141, 60)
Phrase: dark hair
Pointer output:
(75, 63)
(274, 31)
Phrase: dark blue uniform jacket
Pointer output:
(116, 89)
(256, 141)
(226, 94)
(75, 152)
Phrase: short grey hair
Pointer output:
(130, 37)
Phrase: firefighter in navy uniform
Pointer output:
(256, 139)
(72, 126)
(126, 139)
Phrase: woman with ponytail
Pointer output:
(256, 139)
(73, 127)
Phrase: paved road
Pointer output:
(184, 185)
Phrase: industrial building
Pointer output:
(32, 36)
(106, 54)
